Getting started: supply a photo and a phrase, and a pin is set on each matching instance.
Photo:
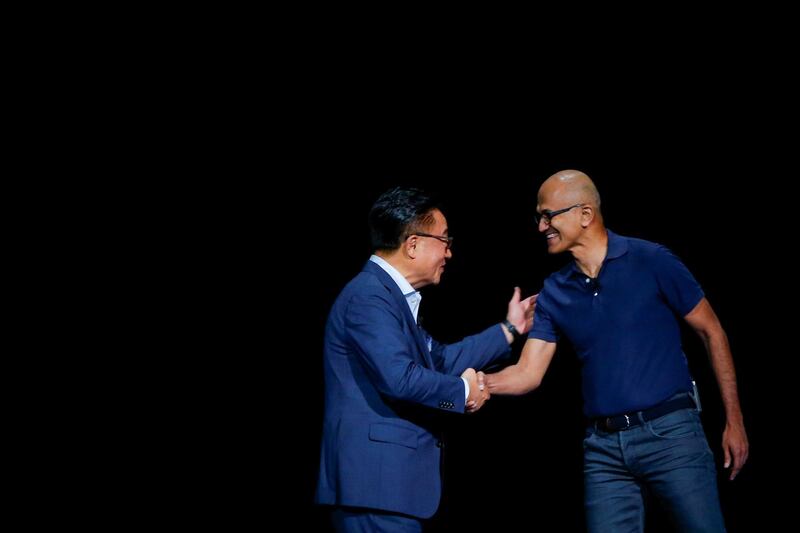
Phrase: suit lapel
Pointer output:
(401, 302)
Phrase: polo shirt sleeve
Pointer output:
(680, 290)
(544, 327)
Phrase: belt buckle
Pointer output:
(612, 427)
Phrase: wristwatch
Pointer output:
(511, 328)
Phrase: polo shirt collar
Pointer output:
(617, 247)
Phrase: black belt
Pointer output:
(623, 422)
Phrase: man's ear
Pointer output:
(587, 215)
(410, 246)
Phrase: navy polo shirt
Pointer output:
(624, 325)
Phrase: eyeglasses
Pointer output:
(448, 241)
(547, 216)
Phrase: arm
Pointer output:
(527, 374)
(479, 350)
(734, 439)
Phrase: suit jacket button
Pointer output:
(439, 444)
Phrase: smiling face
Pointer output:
(567, 205)
(430, 253)
(561, 228)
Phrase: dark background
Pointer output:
(259, 152)
(704, 192)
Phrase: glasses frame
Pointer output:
(547, 216)
(448, 241)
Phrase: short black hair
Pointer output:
(397, 213)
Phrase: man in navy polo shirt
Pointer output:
(618, 304)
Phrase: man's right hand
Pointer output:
(478, 393)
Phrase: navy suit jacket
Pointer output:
(379, 444)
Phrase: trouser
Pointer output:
(670, 456)
(357, 520)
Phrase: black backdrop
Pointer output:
(517, 463)
(268, 155)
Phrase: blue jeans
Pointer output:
(670, 456)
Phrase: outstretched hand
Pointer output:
(520, 312)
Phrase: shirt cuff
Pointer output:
(466, 388)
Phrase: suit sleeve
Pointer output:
(387, 353)
(475, 351)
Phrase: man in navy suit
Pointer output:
(387, 380)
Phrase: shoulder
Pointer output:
(655, 257)
(365, 286)
(365, 300)
(645, 249)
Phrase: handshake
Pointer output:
(478, 392)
